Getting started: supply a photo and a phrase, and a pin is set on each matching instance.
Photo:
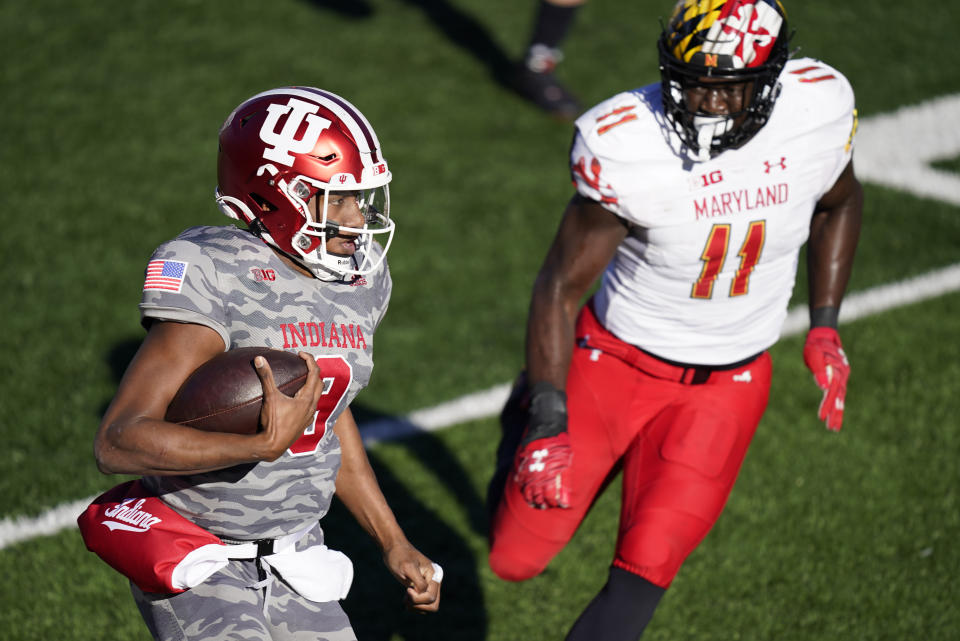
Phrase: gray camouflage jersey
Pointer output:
(229, 280)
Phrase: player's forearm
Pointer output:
(369, 508)
(830, 260)
(152, 446)
(587, 239)
(834, 233)
(550, 332)
(358, 489)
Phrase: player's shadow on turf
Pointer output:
(349, 8)
(375, 600)
(432, 454)
(461, 28)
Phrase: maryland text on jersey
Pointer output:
(741, 200)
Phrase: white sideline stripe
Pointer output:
(487, 403)
(882, 298)
(471, 407)
(23, 528)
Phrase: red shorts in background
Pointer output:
(680, 433)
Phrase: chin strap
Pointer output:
(327, 274)
(319, 271)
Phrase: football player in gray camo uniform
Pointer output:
(303, 169)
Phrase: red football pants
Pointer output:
(681, 447)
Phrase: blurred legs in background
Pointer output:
(534, 78)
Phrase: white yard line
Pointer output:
(931, 130)
(896, 149)
(24, 528)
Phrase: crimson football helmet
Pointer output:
(281, 148)
(736, 41)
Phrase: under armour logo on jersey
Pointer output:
(782, 164)
(538, 456)
(285, 142)
(745, 377)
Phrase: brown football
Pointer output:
(225, 395)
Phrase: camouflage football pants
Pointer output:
(228, 605)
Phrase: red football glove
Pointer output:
(542, 471)
(824, 356)
(543, 459)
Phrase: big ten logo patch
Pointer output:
(711, 179)
(261, 275)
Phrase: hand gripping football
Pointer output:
(225, 395)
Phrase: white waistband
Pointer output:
(281, 544)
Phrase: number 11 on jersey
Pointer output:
(715, 254)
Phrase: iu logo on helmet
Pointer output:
(285, 142)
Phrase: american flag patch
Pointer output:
(166, 275)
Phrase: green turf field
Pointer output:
(108, 121)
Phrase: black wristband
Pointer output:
(548, 412)
(824, 317)
(545, 389)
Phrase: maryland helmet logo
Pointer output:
(732, 34)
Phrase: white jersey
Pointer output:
(706, 272)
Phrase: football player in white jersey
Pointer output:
(303, 170)
(693, 199)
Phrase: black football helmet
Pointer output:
(741, 41)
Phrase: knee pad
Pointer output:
(513, 567)
(657, 543)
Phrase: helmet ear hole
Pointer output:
(264, 204)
